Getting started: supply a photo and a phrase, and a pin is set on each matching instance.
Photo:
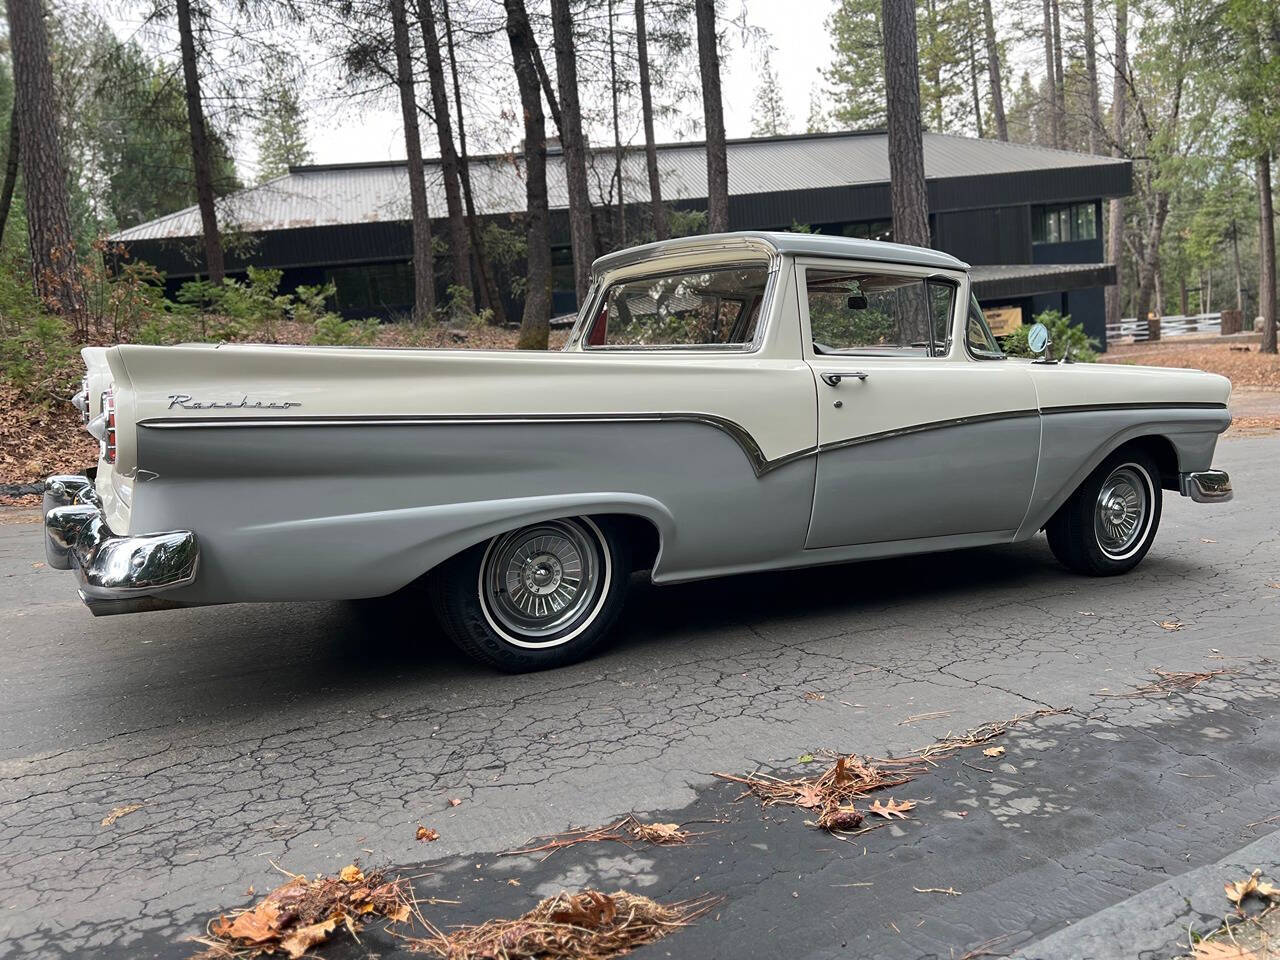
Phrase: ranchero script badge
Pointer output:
(244, 403)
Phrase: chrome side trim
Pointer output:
(931, 425)
(1157, 405)
(760, 464)
(1206, 486)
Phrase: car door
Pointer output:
(921, 434)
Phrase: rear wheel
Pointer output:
(540, 596)
(1109, 523)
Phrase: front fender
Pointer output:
(1074, 442)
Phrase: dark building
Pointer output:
(1029, 219)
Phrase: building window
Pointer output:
(1064, 222)
(869, 230)
(379, 286)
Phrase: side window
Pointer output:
(870, 313)
(718, 307)
(978, 335)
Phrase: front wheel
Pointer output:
(541, 596)
(1109, 523)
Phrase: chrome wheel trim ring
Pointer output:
(1123, 512)
(544, 584)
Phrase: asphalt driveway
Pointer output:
(311, 735)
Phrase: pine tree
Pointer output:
(769, 116)
(818, 121)
(856, 75)
(281, 132)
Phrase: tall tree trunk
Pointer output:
(1050, 79)
(545, 79)
(459, 242)
(659, 212)
(1266, 254)
(1119, 118)
(621, 231)
(1091, 77)
(1059, 75)
(1184, 295)
(201, 155)
(424, 280)
(534, 328)
(713, 115)
(575, 148)
(489, 296)
(1149, 267)
(1235, 256)
(993, 72)
(10, 169)
(53, 255)
(971, 41)
(908, 195)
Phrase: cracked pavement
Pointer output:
(309, 735)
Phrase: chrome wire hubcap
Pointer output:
(1120, 517)
(539, 580)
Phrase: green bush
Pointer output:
(333, 331)
(1063, 335)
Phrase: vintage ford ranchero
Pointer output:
(726, 403)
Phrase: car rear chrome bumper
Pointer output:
(1206, 486)
(116, 574)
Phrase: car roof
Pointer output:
(797, 244)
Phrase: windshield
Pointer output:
(978, 335)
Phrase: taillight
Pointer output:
(109, 441)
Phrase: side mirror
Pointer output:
(856, 302)
(1038, 338)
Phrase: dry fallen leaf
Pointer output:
(813, 695)
(658, 832)
(304, 938)
(809, 796)
(1170, 625)
(893, 808)
(454, 801)
(993, 752)
(513, 882)
(119, 812)
(427, 834)
(1220, 950)
(1237, 891)
(351, 874)
(1207, 540)
(1274, 586)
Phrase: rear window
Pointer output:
(704, 308)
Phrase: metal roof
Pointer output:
(1025, 279)
(364, 193)
(800, 244)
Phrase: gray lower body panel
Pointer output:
(961, 479)
(332, 512)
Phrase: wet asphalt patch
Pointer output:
(1078, 814)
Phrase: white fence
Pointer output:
(1135, 330)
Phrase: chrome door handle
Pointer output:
(833, 379)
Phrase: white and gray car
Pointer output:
(724, 404)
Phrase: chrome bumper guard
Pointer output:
(1207, 486)
(116, 574)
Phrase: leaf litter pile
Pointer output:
(302, 913)
(1170, 681)
(586, 926)
(834, 793)
(627, 830)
